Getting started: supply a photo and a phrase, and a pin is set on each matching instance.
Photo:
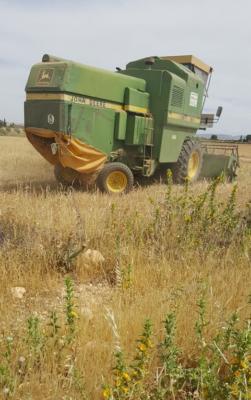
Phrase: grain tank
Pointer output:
(109, 127)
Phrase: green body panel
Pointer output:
(69, 77)
(120, 125)
(136, 131)
(94, 127)
(171, 144)
(136, 98)
(36, 114)
(47, 77)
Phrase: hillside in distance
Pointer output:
(220, 136)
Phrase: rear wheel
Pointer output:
(115, 178)
(189, 163)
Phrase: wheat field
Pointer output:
(149, 268)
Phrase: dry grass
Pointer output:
(143, 276)
(245, 151)
(11, 131)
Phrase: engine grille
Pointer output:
(177, 96)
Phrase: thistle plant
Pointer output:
(229, 217)
(120, 387)
(7, 376)
(71, 314)
(54, 324)
(141, 359)
(169, 377)
(35, 338)
(128, 382)
(169, 186)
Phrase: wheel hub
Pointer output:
(193, 164)
(116, 182)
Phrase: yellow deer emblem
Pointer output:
(45, 76)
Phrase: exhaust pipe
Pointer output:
(50, 58)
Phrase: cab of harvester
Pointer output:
(97, 125)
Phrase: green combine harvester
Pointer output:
(109, 128)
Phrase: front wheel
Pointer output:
(115, 178)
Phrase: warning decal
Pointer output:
(193, 99)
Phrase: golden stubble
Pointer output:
(42, 225)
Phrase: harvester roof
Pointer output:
(189, 60)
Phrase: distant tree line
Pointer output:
(243, 138)
(3, 123)
(246, 139)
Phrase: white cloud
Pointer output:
(111, 33)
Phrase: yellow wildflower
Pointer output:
(142, 347)
(118, 382)
(234, 390)
(125, 389)
(73, 314)
(188, 218)
(244, 364)
(149, 343)
(106, 393)
(126, 376)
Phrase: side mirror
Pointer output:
(219, 111)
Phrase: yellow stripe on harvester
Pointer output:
(182, 117)
(84, 100)
(73, 99)
(135, 109)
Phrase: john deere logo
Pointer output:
(45, 76)
(50, 119)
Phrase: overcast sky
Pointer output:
(109, 33)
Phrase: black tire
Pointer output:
(182, 170)
(115, 178)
